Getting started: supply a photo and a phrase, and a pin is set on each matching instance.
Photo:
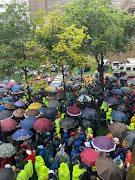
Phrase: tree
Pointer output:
(108, 27)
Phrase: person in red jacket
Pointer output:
(6, 161)
(30, 156)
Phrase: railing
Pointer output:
(128, 4)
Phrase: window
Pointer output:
(133, 68)
(128, 68)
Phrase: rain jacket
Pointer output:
(64, 173)
(103, 106)
(43, 173)
(39, 162)
(77, 172)
(131, 126)
(29, 169)
(89, 133)
(133, 119)
(108, 114)
(54, 165)
(42, 153)
(22, 175)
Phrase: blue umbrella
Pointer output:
(124, 78)
(19, 103)
(116, 91)
(31, 119)
(8, 87)
(6, 99)
(27, 123)
(22, 134)
(50, 112)
(42, 110)
(119, 116)
(2, 108)
(132, 81)
(89, 114)
(3, 89)
(16, 87)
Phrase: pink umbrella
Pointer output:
(59, 91)
(42, 125)
(12, 84)
(73, 111)
(89, 157)
(8, 125)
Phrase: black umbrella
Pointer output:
(6, 114)
(6, 173)
(89, 114)
(96, 90)
(50, 112)
(54, 103)
(10, 105)
(67, 123)
(42, 93)
(121, 108)
(60, 96)
(87, 124)
(111, 101)
(129, 136)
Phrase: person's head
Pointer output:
(25, 161)
(81, 165)
(17, 170)
(52, 160)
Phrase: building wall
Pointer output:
(118, 3)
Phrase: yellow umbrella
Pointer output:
(35, 105)
(49, 88)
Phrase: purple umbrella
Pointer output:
(19, 103)
(103, 144)
(77, 77)
(2, 84)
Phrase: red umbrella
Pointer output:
(59, 91)
(73, 111)
(8, 125)
(89, 157)
(12, 84)
(42, 125)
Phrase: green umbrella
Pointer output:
(114, 78)
(70, 95)
(126, 90)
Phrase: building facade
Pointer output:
(129, 5)
(118, 3)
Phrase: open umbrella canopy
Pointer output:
(2, 84)
(124, 78)
(126, 90)
(49, 88)
(6, 114)
(114, 78)
(107, 169)
(52, 98)
(50, 112)
(54, 103)
(18, 112)
(87, 124)
(10, 105)
(117, 128)
(22, 134)
(19, 103)
(16, 87)
(60, 96)
(3, 89)
(67, 123)
(89, 157)
(6, 173)
(16, 92)
(116, 91)
(77, 76)
(119, 116)
(32, 113)
(111, 101)
(103, 144)
(6, 99)
(2, 108)
(95, 90)
(42, 110)
(60, 91)
(82, 92)
(89, 114)
(69, 82)
(70, 95)
(42, 93)
(35, 105)
(84, 98)
(27, 123)
(7, 150)
(129, 136)
(132, 82)
(11, 84)
(73, 111)
(43, 125)
(8, 125)
(121, 108)
(8, 87)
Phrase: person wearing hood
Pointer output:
(108, 114)
(78, 171)
(21, 174)
(19, 162)
(120, 163)
(43, 173)
(42, 151)
(131, 126)
(54, 164)
(73, 152)
(52, 175)
(39, 162)
(63, 172)
(66, 136)
(103, 106)
(31, 155)
(28, 167)
(118, 152)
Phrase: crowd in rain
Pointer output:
(78, 133)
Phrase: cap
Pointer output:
(7, 166)
(72, 134)
(40, 147)
(23, 145)
(29, 152)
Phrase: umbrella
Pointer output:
(117, 128)
(8, 87)
(89, 157)
(70, 76)
(77, 84)
(69, 82)
(3, 89)
(126, 90)
(15, 92)
(119, 116)
(7, 150)
(8, 125)
(73, 111)
(111, 101)
(84, 98)
(42, 93)
(18, 113)
(60, 96)
(67, 86)
(52, 98)
(10, 105)
(31, 89)
(42, 125)
(2, 108)
(11, 84)
(35, 105)
(16, 87)
(77, 77)
(67, 123)
(2, 84)
(121, 108)
(87, 124)
(50, 112)
(133, 88)
(19, 103)
(6, 114)
(6, 99)
(32, 113)
(60, 91)
(27, 123)
(82, 92)
(6, 173)
(132, 82)
(70, 95)
(89, 114)
(54, 103)
(107, 169)
(116, 91)
(22, 134)
(129, 136)
(49, 88)
(124, 78)
(42, 110)
(114, 78)
(103, 144)
(95, 90)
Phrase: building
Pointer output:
(118, 3)
(47, 5)
(129, 5)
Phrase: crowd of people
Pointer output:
(56, 133)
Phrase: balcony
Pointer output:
(129, 5)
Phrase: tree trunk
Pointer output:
(26, 80)
(81, 74)
(101, 71)
(63, 78)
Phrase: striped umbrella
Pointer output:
(84, 98)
